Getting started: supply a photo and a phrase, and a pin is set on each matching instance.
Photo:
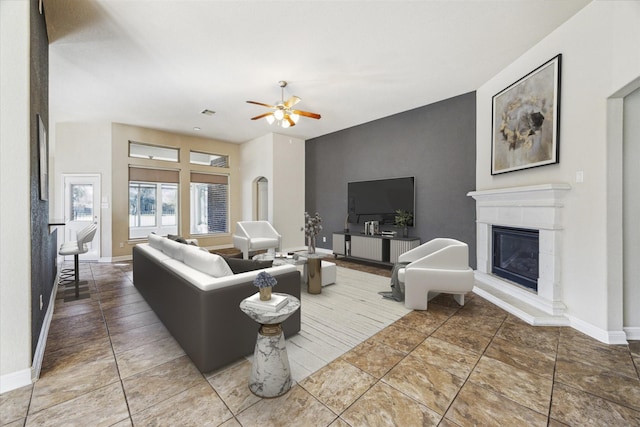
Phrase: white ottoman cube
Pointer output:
(328, 273)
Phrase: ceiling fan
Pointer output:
(283, 111)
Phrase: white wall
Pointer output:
(631, 213)
(600, 55)
(256, 158)
(280, 159)
(73, 157)
(288, 190)
(15, 218)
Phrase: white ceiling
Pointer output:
(158, 64)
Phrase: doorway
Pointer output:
(81, 208)
(262, 199)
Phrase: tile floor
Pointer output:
(110, 362)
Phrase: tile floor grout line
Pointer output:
(562, 343)
(113, 352)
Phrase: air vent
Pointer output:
(208, 112)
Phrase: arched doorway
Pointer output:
(261, 211)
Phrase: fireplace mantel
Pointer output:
(537, 207)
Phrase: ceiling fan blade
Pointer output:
(291, 122)
(261, 103)
(261, 116)
(306, 114)
(292, 101)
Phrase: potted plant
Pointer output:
(403, 219)
(264, 282)
(312, 227)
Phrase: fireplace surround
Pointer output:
(539, 208)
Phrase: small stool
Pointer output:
(76, 248)
(328, 273)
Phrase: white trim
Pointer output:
(607, 337)
(632, 332)
(121, 258)
(15, 380)
(44, 332)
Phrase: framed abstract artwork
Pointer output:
(43, 157)
(526, 121)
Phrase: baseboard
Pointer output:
(632, 332)
(121, 258)
(607, 337)
(44, 333)
(15, 380)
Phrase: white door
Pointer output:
(81, 208)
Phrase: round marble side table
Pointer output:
(270, 373)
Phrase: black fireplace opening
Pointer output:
(515, 255)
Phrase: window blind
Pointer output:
(153, 175)
(208, 178)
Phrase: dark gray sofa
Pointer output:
(207, 323)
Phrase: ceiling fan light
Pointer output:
(279, 114)
(270, 119)
(295, 117)
(285, 124)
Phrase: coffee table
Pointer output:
(313, 266)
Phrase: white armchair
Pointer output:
(440, 265)
(255, 235)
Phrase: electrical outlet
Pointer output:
(121, 245)
(324, 239)
(41, 302)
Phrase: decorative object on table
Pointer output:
(265, 282)
(312, 227)
(526, 121)
(402, 219)
(371, 228)
(346, 224)
(275, 303)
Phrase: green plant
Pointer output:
(403, 218)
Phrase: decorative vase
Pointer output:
(311, 244)
(405, 231)
(265, 293)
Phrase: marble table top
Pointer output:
(268, 317)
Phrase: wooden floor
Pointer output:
(341, 317)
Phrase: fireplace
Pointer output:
(515, 255)
(536, 208)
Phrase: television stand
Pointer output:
(376, 248)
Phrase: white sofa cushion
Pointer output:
(205, 281)
(155, 241)
(174, 249)
(211, 264)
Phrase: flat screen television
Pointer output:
(379, 199)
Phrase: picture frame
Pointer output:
(526, 121)
(43, 156)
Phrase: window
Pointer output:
(209, 203)
(153, 202)
(152, 152)
(81, 202)
(217, 160)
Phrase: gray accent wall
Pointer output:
(436, 144)
(43, 243)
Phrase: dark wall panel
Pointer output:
(43, 244)
(436, 144)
